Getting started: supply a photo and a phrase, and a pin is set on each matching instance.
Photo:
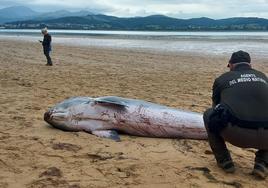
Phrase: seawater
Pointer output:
(216, 43)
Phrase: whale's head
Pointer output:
(61, 115)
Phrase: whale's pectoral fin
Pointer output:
(111, 134)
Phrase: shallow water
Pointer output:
(215, 43)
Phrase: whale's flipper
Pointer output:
(111, 134)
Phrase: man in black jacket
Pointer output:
(239, 114)
(47, 45)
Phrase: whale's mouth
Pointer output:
(47, 116)
(58, 120)
(55, 116)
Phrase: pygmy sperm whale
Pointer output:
(106, 116)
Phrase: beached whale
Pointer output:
(105, 116)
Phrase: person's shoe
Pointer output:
(260, 170)
(227, 166)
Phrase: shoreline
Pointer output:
(209, 47)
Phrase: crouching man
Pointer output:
(239, 114)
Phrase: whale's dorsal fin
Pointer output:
(111, 101)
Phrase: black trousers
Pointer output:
(241, 137)
(47, 54)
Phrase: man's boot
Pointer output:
(260, 169)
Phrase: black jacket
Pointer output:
(47, 43)
(245, 92)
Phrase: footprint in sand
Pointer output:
(52, 171)
(66, 146)
(52, 177)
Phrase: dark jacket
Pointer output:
(245, 92)
(47, 43)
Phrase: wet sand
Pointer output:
(33, 154)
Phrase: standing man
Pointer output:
(239, 114)
(47, 45)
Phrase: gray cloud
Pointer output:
(175, 8)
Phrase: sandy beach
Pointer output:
(33, 154)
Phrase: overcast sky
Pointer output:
(174, 8)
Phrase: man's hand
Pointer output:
(40, 41)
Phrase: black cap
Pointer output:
(240, 56)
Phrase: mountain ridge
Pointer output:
(63, 19)
(22, 13)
